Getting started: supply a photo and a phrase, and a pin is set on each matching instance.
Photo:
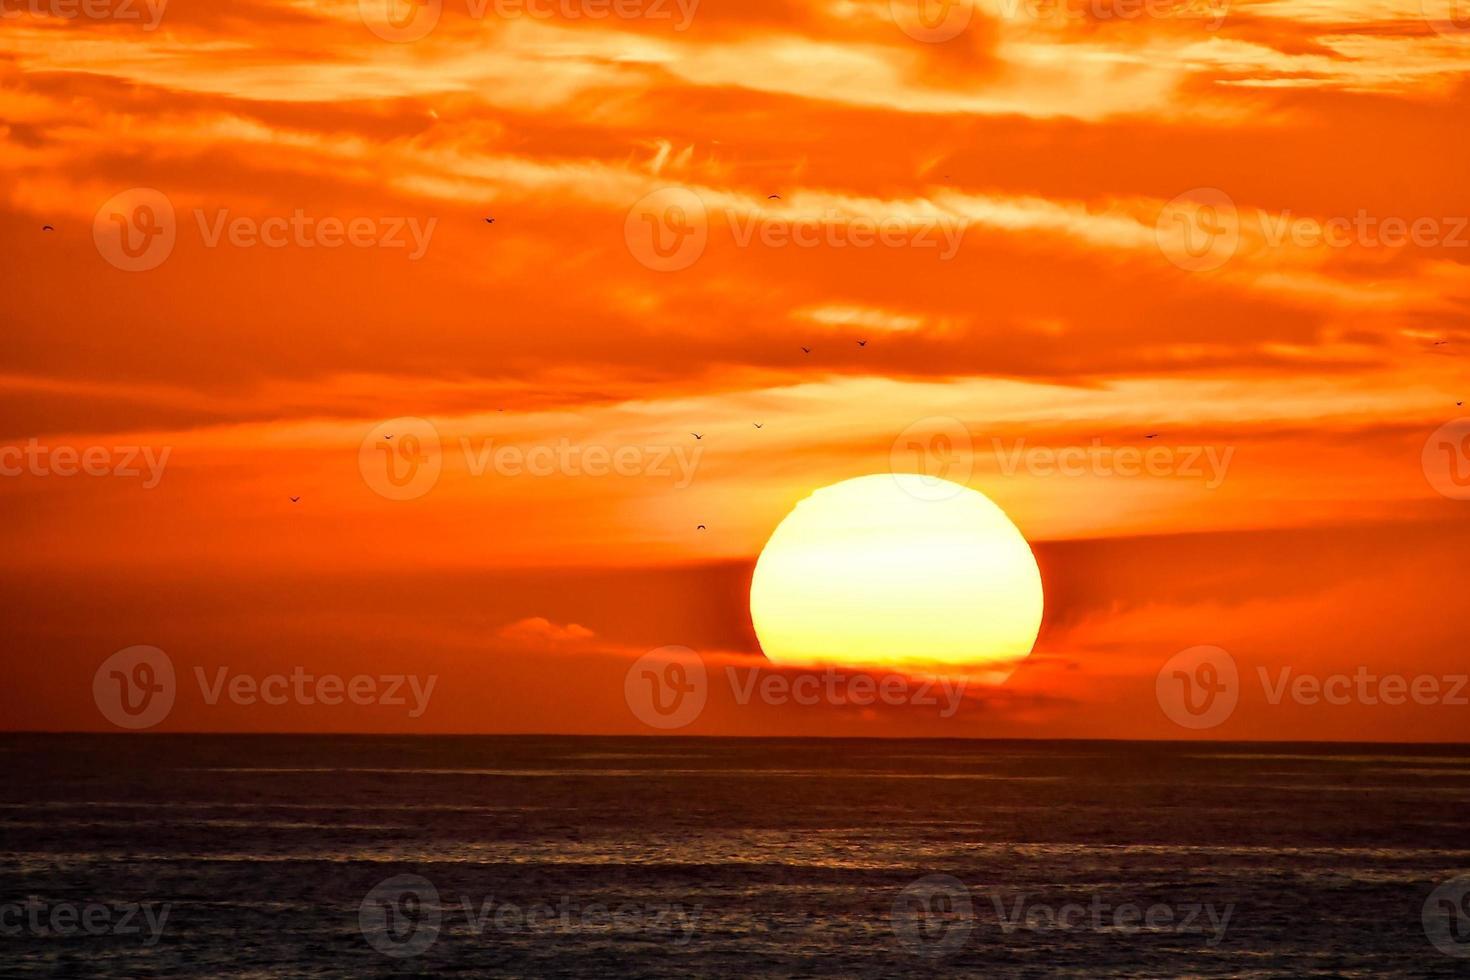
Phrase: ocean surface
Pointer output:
(291, 856)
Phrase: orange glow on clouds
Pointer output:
(1181, 287)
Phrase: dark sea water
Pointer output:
(225, 856)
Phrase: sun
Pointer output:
(898, 571)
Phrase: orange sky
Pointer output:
(1005, 216)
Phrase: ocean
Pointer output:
(339, 856)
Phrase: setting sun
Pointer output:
(901, 571)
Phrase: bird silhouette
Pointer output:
(697, 435)
(862, 343)
(1152, 435)
(758, 425)
(806, 350)
(773, 197)
(388, 437)
(489, 221)
(295, 500)
(1440, 343)
(699, 528)
(47, 228)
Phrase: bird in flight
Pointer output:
(489, 221)
(295, 500)
(758, 425)
(388, 437)
(862, 343)
(773, 197)
(47, 228)
(1440, 343)
(697, 435)
(699, 528)
(806, 350)
(1152, 435)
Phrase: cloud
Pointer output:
(540, 631)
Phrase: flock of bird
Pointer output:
(804, 350)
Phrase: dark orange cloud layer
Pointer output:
(1064, 227)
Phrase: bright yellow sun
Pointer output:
(898, 571)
